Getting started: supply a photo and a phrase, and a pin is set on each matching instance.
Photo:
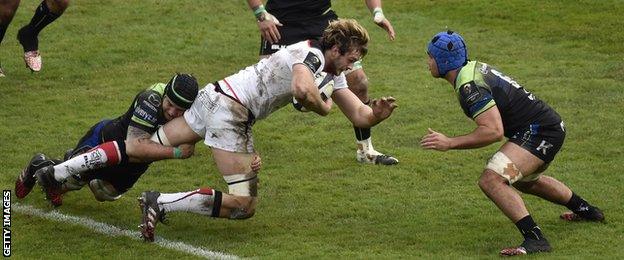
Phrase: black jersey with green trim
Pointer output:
(145, 112)
(297, 10)
(480, 87)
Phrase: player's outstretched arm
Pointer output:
(140, 148)
(379, 18)
(489, 130)
(359, 113)
(267, 23)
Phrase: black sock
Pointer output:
(3, 28)
(28, 34)
(577, 204)
(529, 229)
(362, 133)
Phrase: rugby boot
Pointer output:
(589, 213)
(152, 214)
(30, 44)
(529, 246)
(374, 157)
(1, 72)
(33, 60)
(26, 180)
(50, 186)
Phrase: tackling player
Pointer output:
(285, 22)
(113, 154)
(46, 13)
(502, 107)
(226, 110)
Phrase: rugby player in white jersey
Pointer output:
(225, 111)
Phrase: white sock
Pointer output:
(94, 159)
(198, 201)
(365, 145)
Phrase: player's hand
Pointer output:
(436, 141)
(256, 164)
(382, 108)
(187, 150)
(267, 24)
(382, 22)
(326, 107)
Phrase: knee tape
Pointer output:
(503, 166)
(103, 191)
(242, 184)
(160, 137)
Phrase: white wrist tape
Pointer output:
(378, 15)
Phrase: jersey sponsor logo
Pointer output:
(470, 93)
(154, 100)
(142, 114)
(312, 61)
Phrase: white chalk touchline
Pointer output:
(115, 231)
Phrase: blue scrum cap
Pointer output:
(448, 50)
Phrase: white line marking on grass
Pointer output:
(111, 230)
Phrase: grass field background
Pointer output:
(315, 200)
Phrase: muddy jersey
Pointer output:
(297, 10)
(480, 87)
(266, 86)
(145, 112)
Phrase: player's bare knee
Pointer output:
(489, 179)
(57, 6)
(103, 190)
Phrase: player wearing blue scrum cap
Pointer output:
(534, 131)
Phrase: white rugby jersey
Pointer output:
(266, 86)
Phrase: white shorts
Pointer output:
(224, 123)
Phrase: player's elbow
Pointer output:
(300, 92)
(132, 148)
(498, 134)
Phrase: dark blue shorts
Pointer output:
(122, 176)
(542, 141)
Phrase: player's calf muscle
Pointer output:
(238, 207)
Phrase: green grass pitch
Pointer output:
(315, 200)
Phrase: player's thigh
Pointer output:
(526, 162)
(230, 163)
(7, 9)
(121, 177)
(179, 132)
(358, 83)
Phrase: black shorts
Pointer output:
(122, 176)
(542, 141)
(296, 31)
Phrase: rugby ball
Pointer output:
(325, 86)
